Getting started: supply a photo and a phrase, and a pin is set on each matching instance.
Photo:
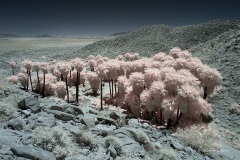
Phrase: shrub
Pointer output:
(202, 139)
(143, 139)
(6, 111)
(167, 154)
(53, 139)
(86, 139)
(116, 142)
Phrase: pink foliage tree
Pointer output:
(28, 65)
(13, 65)
(94, 81)
(13, 79)
(78, 65)
(65, 68)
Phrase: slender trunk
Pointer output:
(160, 116)
(205, 93)
(77, 87)
(169, 121)
(70, 78)
(61, 77)
(43, 85)
(12, 71)
(29, 74)
(38, 83)
(101, 95)
(27, 80)
(67, 90)
(177, 113)
(110, 89)
(178, 119)
(115, 87)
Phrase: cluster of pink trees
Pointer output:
(168, 88)
(52, 79)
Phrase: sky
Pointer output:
(104, 17)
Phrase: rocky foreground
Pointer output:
(48, 128)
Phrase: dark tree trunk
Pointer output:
(177, 113)
(205, 93)
(110, 89)
(43, 85)
(115, 87)
(70, 78)
(29, 74)
(169, 123)
(101, 95)
(178, 119)
(160, 116)
(77, 87)
(61, 77)
(27, 80)
(38, 83)
(67, 91)
(12, 71)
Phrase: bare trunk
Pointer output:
(43, 85)
(205, 93)
(29, 74)
(110, 89)
(101, 95)
(67, 91)
(38, 83)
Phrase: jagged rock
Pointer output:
(31, 103)
(61, 115)
(114, 115)
(105, 120)
(67, 108)
(74, 130)
(26, 113)
(55, 107)
(176, 145)
(46, 121)
(105, 127)
(32, 153)
(188, 150)
(17, 124)
(112, 151)
(134, 123)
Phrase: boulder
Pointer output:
(61, 115)
(31, 103)
(105, 120)
(17, 124)
(32, 153)
(114, 115)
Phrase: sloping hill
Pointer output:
(223, 53)
(153, 39)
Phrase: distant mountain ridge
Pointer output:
(2, 35)
(153, 39)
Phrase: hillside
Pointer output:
(223, 53)
(153, 39)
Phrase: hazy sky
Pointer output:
(103, 17)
